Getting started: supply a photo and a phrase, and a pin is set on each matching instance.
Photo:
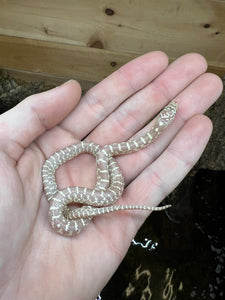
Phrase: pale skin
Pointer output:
(37, 263)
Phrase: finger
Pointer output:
(142, 106)
(199, 96)
(159, 179)
(166, 172)
(36, 114)
(106, 96)
(195, 99)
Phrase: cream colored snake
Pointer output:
(110, 182)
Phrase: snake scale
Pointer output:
(110, 182)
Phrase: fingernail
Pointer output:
(67, 82)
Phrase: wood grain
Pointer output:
(93, 34)
(69, 61)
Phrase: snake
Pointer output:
(73, 208)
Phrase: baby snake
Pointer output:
(110, 181)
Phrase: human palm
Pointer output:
(37, 263)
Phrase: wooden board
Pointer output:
(88, 37)
(69, 61)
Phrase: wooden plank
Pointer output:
(57, 59)
(63, 60)
(136, 26)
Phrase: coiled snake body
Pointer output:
(110, 181)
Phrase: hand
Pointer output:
(37, 263)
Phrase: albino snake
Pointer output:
(110, 181)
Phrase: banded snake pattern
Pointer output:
(110, 182)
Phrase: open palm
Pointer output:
(37, 263)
